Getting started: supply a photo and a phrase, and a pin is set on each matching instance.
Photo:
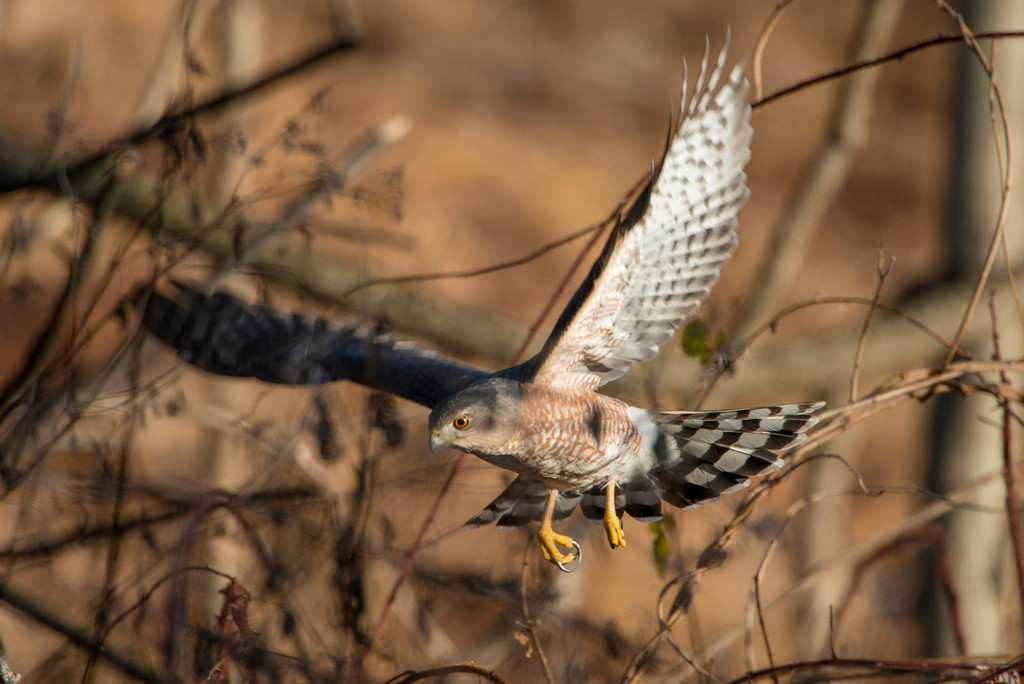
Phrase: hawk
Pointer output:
(568, 444)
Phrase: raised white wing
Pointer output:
(664, 255)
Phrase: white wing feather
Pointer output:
(657, 268)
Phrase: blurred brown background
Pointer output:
(525, 122)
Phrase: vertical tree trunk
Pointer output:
(967, 442)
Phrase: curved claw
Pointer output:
(549, 543)
(551, 540)
(577, 559)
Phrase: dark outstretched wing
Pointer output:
(523, 501)
(224, 335)
(664, 255)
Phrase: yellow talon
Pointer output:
(549, 539)
(612, 526)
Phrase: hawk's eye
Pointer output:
(461, 423)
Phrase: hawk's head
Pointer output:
(482, 419)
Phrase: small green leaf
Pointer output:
(695, 340)
(660, 547)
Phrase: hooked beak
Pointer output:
(435, 440)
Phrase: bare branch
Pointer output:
(466, 668)
(884, 266)
(845, 133)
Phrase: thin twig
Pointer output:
(615, 216)
(528, 621)
(144, 598)
(355, 156)
(755, 602)
(63, 311)
(831, 633)
(996, 103)
(114, 548)
(75, 634)
(938, 506)
(1015, 666)
(1012, 282)
(717, 371)
(466, 668)
(761, 623)
(930, 535)
(1013, 500)
(556, 293)
(884, 266)
(846, 131)
(177, 609)
(81, 537)
(170, 121)
(471, 273)
(865, 301)
(762, 41)
(867, 667)
(1013, 516)
(690, 660)
(410, 556)
(895, 56)
(911, 384)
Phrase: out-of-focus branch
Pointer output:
(474, 333)
(464, 331)
(851, 668)
(458, 668)
(845, 134)
(23, 166)
(76, 634)
(159, 83)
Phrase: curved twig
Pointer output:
(465, 668)
(895, 56)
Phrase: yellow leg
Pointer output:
(549, 538)
(612, 526)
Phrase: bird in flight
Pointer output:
(542, 419)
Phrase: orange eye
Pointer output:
(461, 423)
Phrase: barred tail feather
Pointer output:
(718, 451)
